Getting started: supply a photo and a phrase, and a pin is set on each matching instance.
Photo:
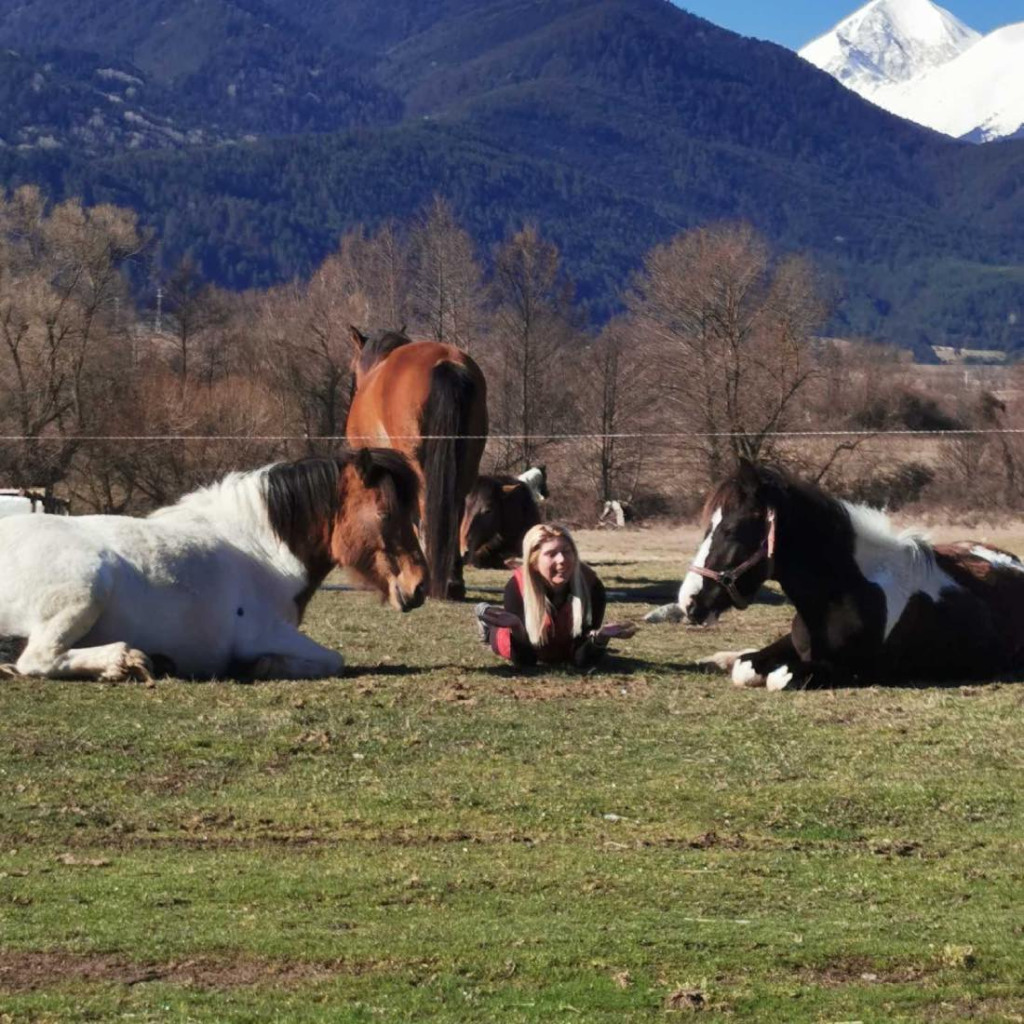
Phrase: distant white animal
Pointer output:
(26, 502)
(616, 513)
(215, 584)
(536, 478)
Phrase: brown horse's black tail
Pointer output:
(442, 453)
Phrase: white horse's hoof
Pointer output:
(744, 674)
(131, 666)
(723, 660)
(9, 671)
(779, 678)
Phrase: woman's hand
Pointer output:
(501, 619)
(617, 630)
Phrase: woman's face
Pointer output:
(556, 561)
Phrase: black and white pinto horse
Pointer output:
(871, 605)
(499, 511)
(215, 585)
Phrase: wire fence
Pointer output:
(535, 438)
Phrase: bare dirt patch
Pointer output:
(862, 970)
(546, 689)
(32, 971)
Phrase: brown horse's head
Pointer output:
(369, 350)
(376, 533)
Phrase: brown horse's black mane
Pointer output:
(381, 344)
(300, 495)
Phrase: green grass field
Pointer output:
(433, 837)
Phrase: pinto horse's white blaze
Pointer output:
(900, 565)
(693, 582)
(1002, 559)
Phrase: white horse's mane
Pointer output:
(240, 497)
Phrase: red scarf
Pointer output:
(560, 642)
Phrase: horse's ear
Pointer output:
(358, 338)
(747, 475)
(509, 488)
(403, 330)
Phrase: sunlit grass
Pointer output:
(435, 837)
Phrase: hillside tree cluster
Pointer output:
(716, 354)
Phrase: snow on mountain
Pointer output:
(915, 59)
(979, 94)
(889, 41)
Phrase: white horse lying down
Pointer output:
(216, 583)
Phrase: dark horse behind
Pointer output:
(871, 605)
(499, 511)
(429, 401)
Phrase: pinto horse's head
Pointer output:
(736, 554)
(376, 531)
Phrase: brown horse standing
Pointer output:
(429, 401)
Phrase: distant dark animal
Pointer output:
(428, 401)
(499, 511)
(871, 605)
(218, 580)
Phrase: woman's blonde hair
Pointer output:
(535, 600)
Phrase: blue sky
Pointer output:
(795, 22)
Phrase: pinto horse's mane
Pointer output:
(294, 497)
(869, 526)
(301, 494)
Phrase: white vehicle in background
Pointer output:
(25, 501)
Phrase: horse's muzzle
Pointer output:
(407, 602)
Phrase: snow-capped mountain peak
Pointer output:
(978, 95)
(889, 41)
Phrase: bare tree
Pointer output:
(532, 331)
(194, 307)
(612, 384)
(730, 328)
(385, 277)
(305, 347)
(61, 342)
(445, 278)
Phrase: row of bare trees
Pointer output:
(715, 355)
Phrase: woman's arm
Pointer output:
(590, 647)
(506, 642)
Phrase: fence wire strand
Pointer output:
(381, 439)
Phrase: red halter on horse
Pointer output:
(429, 401)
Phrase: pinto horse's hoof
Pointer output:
(779, 679)
(9, 671)
(723, 661)
(745, 675)
(456, 591)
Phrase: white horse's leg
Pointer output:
(49, 653)
(292, 655)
